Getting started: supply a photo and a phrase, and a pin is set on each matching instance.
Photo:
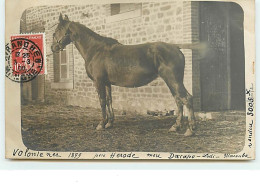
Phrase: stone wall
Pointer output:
(173, 22)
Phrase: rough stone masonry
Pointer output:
(173, 22)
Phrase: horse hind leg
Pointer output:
(182, 97)
(170, 81)
(186, 98)
(179, 119)
(188, 101)
(179, 103)
(110, 112)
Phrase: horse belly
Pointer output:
(134, 76)
(131, 66)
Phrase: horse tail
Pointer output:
(202, 48)
(193, 46)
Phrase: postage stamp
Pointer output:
(25, 57)
(165, 80)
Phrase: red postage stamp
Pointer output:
(27, 57)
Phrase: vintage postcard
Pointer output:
(164, 80)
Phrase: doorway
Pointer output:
(222, 71)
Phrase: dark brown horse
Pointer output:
(109, 63)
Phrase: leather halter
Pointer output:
(62, 38)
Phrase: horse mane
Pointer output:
(96, 36)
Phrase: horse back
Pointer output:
(153, 54)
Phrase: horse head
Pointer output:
(62, 34)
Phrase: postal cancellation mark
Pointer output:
(25, 58)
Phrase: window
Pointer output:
(64, 65)
(63, 68)
(123, 11)
(115, 8)
(120, 8)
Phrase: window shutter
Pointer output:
(56, 63)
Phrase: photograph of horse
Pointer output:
(109, 62)
(137, 77)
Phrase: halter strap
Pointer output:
(58, 41)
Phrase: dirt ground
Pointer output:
(69, 128)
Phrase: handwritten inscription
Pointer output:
(53, 154)
(121, 155)
(155, 156)
(209, 156)
(130, 155)
(250, 112)
(250, 100)
(244, 155)
(27, 153)
(99, 156)
(180, 156)
(250, 134)
(74, 155)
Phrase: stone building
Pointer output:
(215, 80)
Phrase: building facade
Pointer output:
(180, 22)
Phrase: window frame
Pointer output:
(121, 16)
(64, 64)
(63, 83)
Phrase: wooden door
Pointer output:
(222, 71)
(214, 70)
(237, 57)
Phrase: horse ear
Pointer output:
(60, 18)
(66, 18)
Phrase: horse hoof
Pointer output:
(100, 127)
(193, 127)
(108, 125)
(188, 133)
(173, 129)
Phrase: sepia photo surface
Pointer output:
(130, 80)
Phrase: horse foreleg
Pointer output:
(102, 99)
(110, 112)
